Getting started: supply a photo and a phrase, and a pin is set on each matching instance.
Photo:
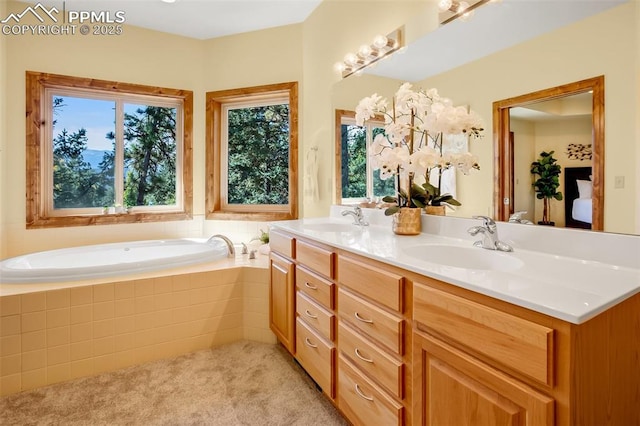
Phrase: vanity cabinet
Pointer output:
(390, 346)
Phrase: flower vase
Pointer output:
(407, 221)
(435, 210)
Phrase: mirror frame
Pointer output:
(503, 184)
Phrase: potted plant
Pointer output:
(547, 184)
(411, 148)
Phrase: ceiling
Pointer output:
(200, 19)
(494, 26)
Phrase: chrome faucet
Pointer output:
(230, 249)
(517, 218)
(489, 232)
(358, 218)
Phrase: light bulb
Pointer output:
(350, 58)
(462, 6)
(339, 67)
(445, 5)
(380, 41)
(364, 51)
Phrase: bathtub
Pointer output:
(104, 260)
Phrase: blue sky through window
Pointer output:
(96, 116)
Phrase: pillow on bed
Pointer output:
(584, 188)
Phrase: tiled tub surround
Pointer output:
(50, 333)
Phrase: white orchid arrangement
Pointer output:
(412, 143)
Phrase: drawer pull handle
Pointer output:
(309, 314)
(309, 286)
(359, 318)
(362, 395)
(361, 357)
(308, 342)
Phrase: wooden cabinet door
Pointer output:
(282, 301)
(453, 388)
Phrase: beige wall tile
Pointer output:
(103, 346)
(144, 338)
(124, 307)
(10, 325)
(81, 350)
(103, 292)
(57, 299)
(124, 359)
(58, 317)
(10, 384)
(33, 340)
(179, 315)
(181, 283)
(143, 287)
(58, 373)
(257, 275)
(180, 299)
(164, 334)
(145, 321)
(260, 291)
(80, 314)
(33, 360)
(33, 302)
(34, 379)
(204, 310)
(58, 336)
(81, 295)
(11, 364)
(104, 363)
(197, 295)
(103, 310)
(9, 305)
(162, 285)
(103, 328)
(163, 301)
(123, 342)
(58, 355)
(167, 349)
(81, 368)
(258, 320)
(199, 280)
(124, 290)
(81, 332)
(124, 325)
(145, 354)
(144, 304)
(34, 321)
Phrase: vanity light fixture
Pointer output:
(368, 54)
(459, 9)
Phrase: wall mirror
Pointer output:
(553, 63)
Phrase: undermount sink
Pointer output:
(331, 227)
(464, 257)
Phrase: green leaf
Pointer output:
(391, 210)
(389, 199)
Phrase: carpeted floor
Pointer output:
(243, 383)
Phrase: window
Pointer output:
(252, 151)
(357, 181)
(94, 144)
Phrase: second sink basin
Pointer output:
(464, 257)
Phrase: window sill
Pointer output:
(104, 219)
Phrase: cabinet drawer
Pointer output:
(372, 360)
(316, 356)
(519, 344)
(316, 316)
(381, 325)
(362, 401)
(282, 243)
(377, 284)
(316, 258)
(318, 288)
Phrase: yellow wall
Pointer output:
(605, 44)
(3, 137)
(524, 154)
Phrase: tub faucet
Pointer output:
(517, 218)
(231, 250)
(358, 218)
(489, 232)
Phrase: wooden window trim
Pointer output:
(36, 216)
(215, 102)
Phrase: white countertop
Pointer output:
(564, 287)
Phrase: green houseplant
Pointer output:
(547, 183)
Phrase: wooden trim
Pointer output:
(339, 115)
(36, 216)
(213, 200)
(501, 126)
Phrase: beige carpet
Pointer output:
(243, 383)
